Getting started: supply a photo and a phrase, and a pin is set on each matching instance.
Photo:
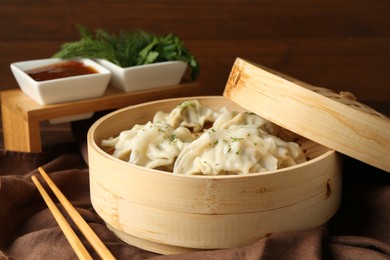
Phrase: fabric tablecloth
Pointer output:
(359, 230)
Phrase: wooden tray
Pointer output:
(21, 115)
(334, 120)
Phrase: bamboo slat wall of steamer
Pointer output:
(341, 45)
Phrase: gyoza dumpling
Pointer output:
(190, 114)
(236, 119)
(123, 143)
(153, 145)
(236, 151)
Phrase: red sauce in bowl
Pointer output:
(60, 70)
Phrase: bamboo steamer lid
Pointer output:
(337, 121)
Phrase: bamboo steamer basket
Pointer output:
(168, 213)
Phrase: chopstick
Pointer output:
(75, 242)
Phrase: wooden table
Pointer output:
(22, 116)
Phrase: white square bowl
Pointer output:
(145, 77)
(62, 89)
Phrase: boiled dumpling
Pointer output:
(153, 145)
(234, 119)
(236, 151)
(190, 114)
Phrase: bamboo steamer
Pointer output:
(168, 213)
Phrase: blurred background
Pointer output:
(342, 45)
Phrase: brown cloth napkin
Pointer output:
(359, 230)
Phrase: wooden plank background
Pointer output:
(341, 45)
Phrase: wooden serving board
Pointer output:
(337, 121)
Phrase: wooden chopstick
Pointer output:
(89, 234)
(74, 241)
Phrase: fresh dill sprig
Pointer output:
(130, 48)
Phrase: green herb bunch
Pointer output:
(129, 48)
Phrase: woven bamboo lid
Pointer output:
(334, 120)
